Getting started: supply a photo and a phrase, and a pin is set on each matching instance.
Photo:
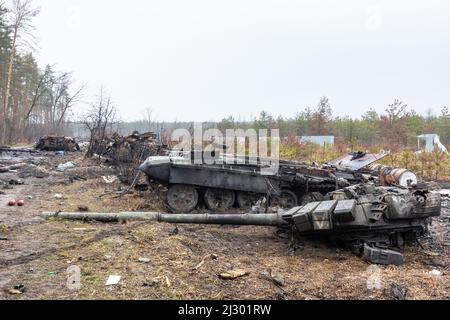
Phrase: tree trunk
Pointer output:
(8, 87)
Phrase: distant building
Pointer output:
(430, 142)
(320, 140)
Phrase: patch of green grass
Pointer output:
(92, 279)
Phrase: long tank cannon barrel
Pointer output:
(218, 219)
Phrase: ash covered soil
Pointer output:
(184, 262)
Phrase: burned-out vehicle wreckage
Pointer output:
(244, 181)
(131, 149)
(371, 209)
(57, 143)
(50, 143)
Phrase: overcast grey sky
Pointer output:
(207, 59)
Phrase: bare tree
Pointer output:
(22, 14)
(69, 101)
(99, 121)
(62, 100)
(149, 118)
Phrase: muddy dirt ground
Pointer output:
(184, 261)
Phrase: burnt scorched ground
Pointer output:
(184, 261)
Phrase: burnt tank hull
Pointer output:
(240, 181)
(225, 185)
(179, 171)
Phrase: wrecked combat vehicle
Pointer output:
(372, 210)
(370, 220)
(222, 185)
(136, 147)
(54, 143)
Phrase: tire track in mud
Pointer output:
(121, 230)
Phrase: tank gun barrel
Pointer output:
(230, 219)
(218, 219)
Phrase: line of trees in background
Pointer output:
(33, 101)
(395, 129)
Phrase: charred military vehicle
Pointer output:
(373, 221)
(244, 183)
(134, 147)
(54, 143)
(221, 185)
(131, 149)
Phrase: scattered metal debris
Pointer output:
(16, 182)
(390, 176)
(19, 289)
(382, 256)
(83, 208)
(174, 232)
(65, 166)
(397, 291)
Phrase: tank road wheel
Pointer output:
(286, 200)
(219, 199)
(246, 200)
(182, 198)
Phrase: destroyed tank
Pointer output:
(133, 148)
(373, 221)
(55, 143)
(244, 183)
